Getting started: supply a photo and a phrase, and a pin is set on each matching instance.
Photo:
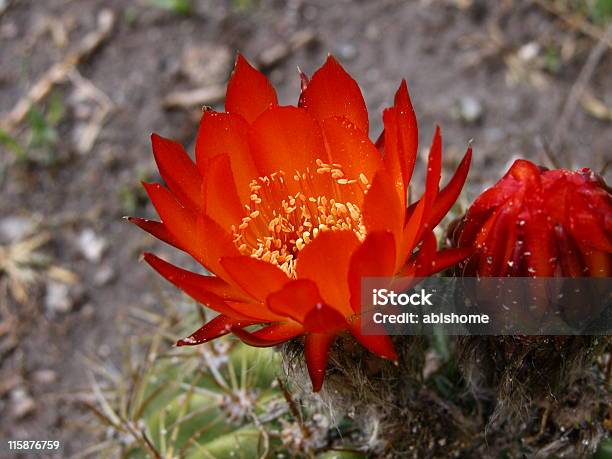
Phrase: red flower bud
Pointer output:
(539, 223)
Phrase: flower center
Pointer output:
(279, 224)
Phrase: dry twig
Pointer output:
(575, 21)
(578, 89)
(60, 70)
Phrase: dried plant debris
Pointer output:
(427, 406)
(221, 399)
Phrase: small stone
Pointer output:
(22, 403)
(91, 245)
(58, 298)
(88, 311)
(15, 228)
(104, 276)
(45, 376)
(468, 109)
(529, 51)
(347, 52)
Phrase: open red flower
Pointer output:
(290, 207)
(540, 223)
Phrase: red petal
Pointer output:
(432, 182)
(256, 277)
(332, 92)
(193, 285)
(447, 258)
(316, 349)
(325, 261)
(224, 133)
(375, 257)
(450, 193)
(569, 256)
(267, 338)
(180, 222)
(249, 93)
(213, 244)
(401, 133)
(178, 171)
(295, 299)
(539, 252)
(412, 229)
(388, 142)
(157, 229)
(215, 328)
(599, 263)
(426, 255)
(221, 202)
(187, 280)
(351, 148)
(586, 227)
(380, 345)
(301, 301)
(288, 139)
(382, 210)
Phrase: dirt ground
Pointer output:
(500, 73)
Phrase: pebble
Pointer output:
(15, 228)
(91, 245)
(22, 403)
(347, 52)
(468, 109)
(58, 298)
(45, 376)
(104, 276)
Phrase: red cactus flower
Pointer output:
(540, 223)
(290, 206)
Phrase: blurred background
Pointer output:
(83, 83)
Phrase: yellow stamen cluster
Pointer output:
(278, 224)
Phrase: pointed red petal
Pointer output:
(332, 92)
(213, 244)
(288, 139)
(249, 93)
(389, 144)
(432, 181)
(193, 281)
(325, 261)
(256, 277)
(157, 229)
(215, 328)
(178, 171)
(382, 210)
(380, 345)
(180, 222)
(221, 202)
(375, 257)
(295, 299)
(450, 193)
(193, 285)
(404, 134)
(268, 336)
(225, 133)
(316, 349)
(351, 147)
